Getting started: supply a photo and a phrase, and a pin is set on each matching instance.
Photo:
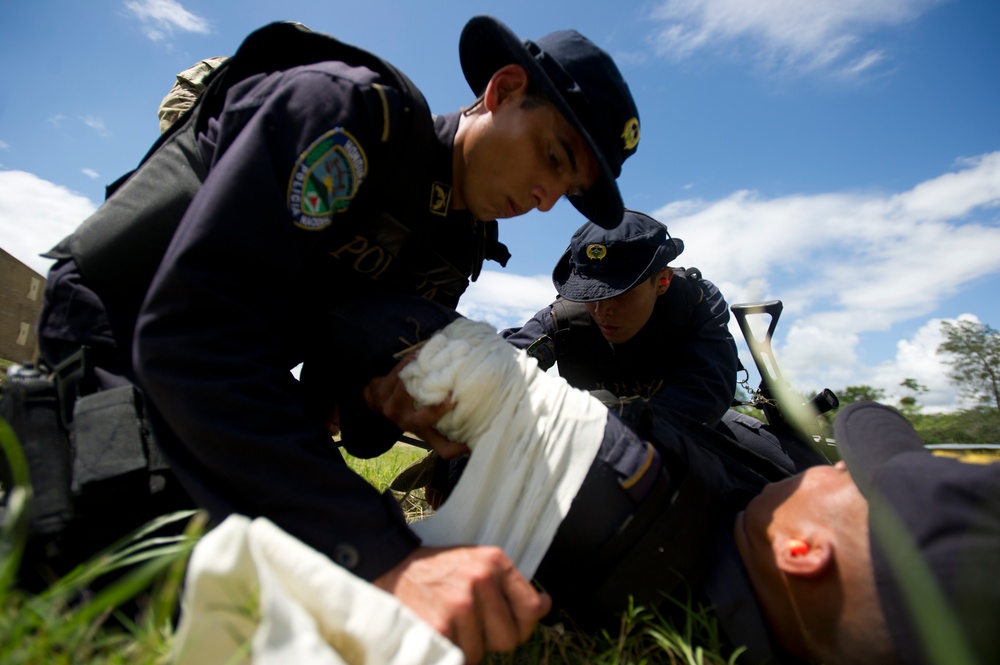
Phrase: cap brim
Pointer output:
(868, 435)
(486, 45)
(580, 288)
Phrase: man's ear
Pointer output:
(804, 556)
(663, 281)
(508, 82)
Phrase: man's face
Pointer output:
(519, 157)
(622, 317)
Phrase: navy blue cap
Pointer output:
(603, 263)
(951, 509)
(583, 83)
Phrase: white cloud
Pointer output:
(97, 125)
(917, 358)
(160, 18)
(865, 63)
(505, 300)
(36, 214)
(783, 34)
(90, 173)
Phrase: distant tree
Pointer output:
(908, 404)
(861, 393)
(850, 395)
(973, 351)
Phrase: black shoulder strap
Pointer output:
(580, 351)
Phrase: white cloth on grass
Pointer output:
(256, 594)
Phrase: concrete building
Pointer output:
(20, 300)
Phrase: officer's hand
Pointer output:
(474, 596)
(387, 395)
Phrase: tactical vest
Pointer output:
(587, 361)
(119, 247)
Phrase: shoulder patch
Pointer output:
(325, 179)
(542, 350)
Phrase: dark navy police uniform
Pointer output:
(308, 176)
(290, 220)
(684, 358)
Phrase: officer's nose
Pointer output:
(605, 307)
(545, 195)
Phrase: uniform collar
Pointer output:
(441, 163)
(486, 232)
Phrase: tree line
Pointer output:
(972, 350)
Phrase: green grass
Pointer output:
(66, 625)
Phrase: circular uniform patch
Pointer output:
(325, 179)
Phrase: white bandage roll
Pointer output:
(533, 439)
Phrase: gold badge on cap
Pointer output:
(596, 252)
(631, 134)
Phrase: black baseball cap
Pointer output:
(583, 83)
(603, 263)
(951, 510)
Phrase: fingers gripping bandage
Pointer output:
(532, 436)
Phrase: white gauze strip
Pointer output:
(533, 439)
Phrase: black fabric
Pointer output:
(950, 511)
(782, 446)
(77, 510)
(586, 360)
(30, 406)
(109, 436)
(229, 305)
(364, 339)
(673, 543)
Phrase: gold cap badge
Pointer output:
(596, 252)
(631, 134)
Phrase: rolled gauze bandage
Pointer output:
(533, 439)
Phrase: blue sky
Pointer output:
(842, 156)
